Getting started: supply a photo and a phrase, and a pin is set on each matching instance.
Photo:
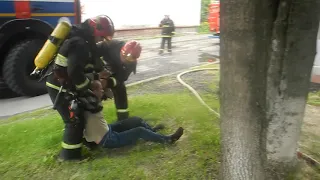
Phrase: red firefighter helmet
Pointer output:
(131, 50)
(103, 26)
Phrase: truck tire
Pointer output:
(5, 92)
(18, 65)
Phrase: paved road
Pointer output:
(187, 52)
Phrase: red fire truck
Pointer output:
(214, 17)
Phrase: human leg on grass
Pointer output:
(129, 137)
(131, 123)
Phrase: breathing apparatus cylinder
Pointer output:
(51, 46)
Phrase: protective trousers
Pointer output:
(73, 132)
(164, 40)
(121, 101)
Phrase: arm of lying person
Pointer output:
(104, 74)
(106, 79)
(119, 93)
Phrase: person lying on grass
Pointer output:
(124, 132)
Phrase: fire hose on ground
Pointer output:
(309, 160)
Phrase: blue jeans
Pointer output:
(128, 132)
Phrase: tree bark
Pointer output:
(292, 55)
(245, 38)
(265, 71)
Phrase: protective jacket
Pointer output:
(110, 54)
(77, 63)
(168, 27)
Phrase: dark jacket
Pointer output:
(110, 52)
(75, 59)
(168, 27)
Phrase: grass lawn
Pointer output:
(314, 98)
(30, 141)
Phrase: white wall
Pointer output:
(145, 13)
(316, 64)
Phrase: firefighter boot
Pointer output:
(73, 134)
(72, 142)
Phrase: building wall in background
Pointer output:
(315, 76)
(144, 13)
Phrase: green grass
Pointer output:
(314, 98)
(30, 141)
(28, 147)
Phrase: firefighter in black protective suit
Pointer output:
(70, 76)
(120, 58)
(168, 30)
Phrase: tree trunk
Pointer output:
(265, 71)
(245, 38)
(292, 55)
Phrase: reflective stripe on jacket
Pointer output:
(168, 27)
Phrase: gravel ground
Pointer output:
(162, 85)
(200, 81)
(203, 81)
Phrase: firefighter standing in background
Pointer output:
(69, 77)
(168, 30)
(121, 59)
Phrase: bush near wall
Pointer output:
(204, 10)
(204, 27)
